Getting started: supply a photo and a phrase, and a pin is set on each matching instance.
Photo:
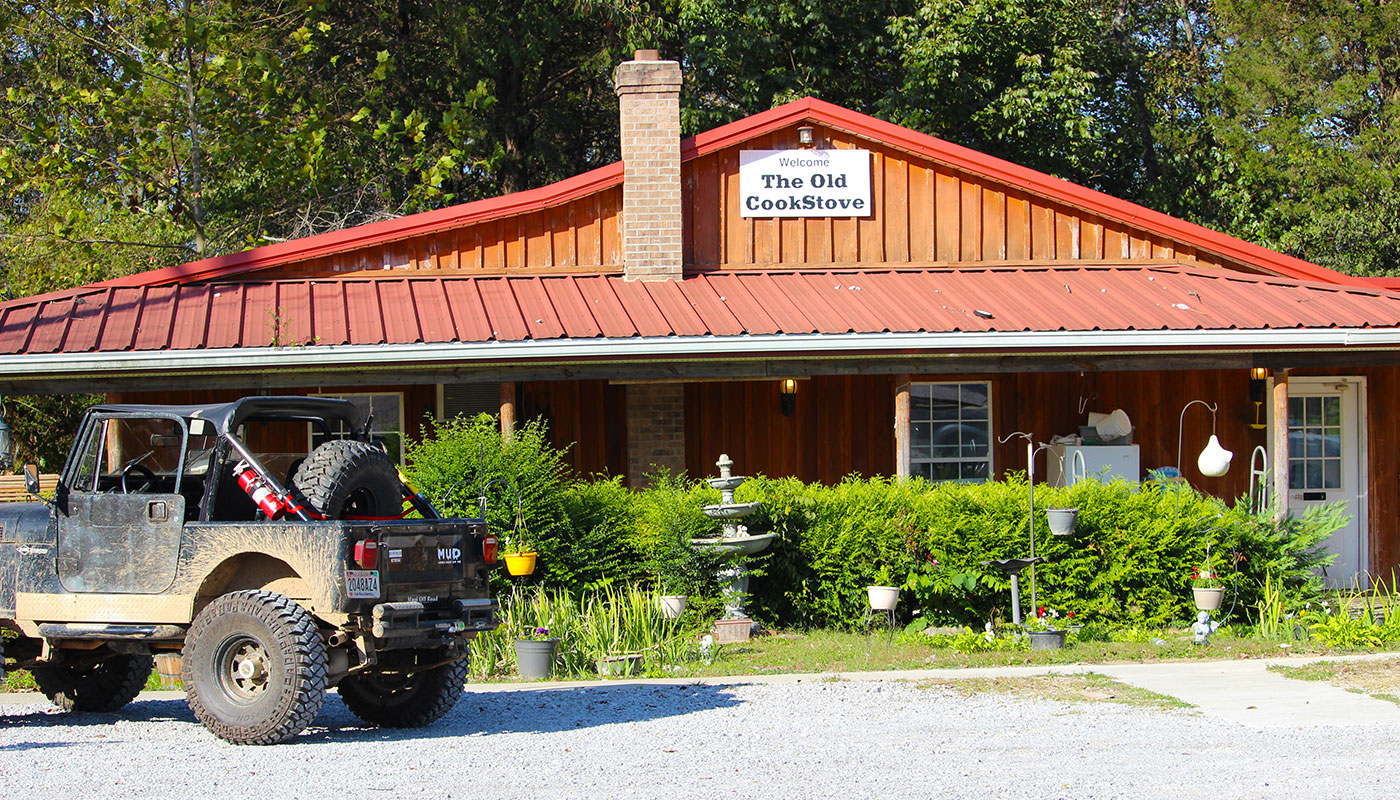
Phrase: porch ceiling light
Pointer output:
(1258, 379)
(787, 396)
(1214, 460)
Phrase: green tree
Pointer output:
(1308, 111)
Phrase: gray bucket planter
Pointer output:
(1062, 520)
(1047, 640)
(535, 659)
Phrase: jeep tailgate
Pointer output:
(434, 561)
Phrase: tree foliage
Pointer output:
(142, 133)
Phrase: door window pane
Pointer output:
(1315, 442)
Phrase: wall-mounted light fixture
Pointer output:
(1214, 460)
(787, 396)
(1258, 381)
(806, 136)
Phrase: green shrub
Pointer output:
(1129, 559)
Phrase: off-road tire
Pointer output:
(102, 687)
(408, 701)
(346, 477)
(283, 685)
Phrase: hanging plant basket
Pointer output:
(1208, 599)
(519, 564)
(1062, 520)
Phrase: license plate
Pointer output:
(362, 584)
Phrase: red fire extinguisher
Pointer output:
(257, 489)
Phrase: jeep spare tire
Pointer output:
(346, 478)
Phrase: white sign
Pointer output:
(804, 183)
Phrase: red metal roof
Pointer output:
(799, 111)
(403, 310)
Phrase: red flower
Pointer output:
(1070, 614)
(1040, 612)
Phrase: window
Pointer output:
(1315, 442)
(387, 425)
(950, 431)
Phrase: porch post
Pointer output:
(1279, 456)
(902, 407)
(507, 409)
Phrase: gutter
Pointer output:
(257, 359)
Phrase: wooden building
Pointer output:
(806, 316)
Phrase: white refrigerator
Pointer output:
(1102, 461)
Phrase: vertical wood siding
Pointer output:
(923, 213)
(582, 235)
(844, 425)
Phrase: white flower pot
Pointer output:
(1062, 520)
(883, 598)
(673, 605)
(1208, 599)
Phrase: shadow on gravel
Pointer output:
(532, 711)
(477, 713)
(139, 711)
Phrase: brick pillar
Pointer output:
(648, 93)
(655, 430)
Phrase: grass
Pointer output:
(840, 651)
(1087, 687)
(1378, 679)
(19, 680)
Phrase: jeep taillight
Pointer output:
(367, 554)
(488, 549)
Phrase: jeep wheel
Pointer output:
(100, 686)
(349, 478)
(408, 700)
(255, 667)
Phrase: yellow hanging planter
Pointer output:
(520, 563)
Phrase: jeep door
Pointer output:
(120, 520)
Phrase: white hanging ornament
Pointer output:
(1214, 461)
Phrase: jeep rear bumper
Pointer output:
(413, 620)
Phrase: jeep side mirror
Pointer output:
(31, 479)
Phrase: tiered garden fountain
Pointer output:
(734, 540)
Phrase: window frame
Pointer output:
(399, 429)
(990, 458)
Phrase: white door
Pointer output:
(1326, 464)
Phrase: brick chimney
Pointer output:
(649, 99)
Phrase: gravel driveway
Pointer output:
(810, 740)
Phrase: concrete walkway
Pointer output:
(1242, 691)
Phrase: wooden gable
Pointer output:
(924, 214)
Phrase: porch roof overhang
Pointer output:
(728, 324)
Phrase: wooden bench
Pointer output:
(12, 488)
